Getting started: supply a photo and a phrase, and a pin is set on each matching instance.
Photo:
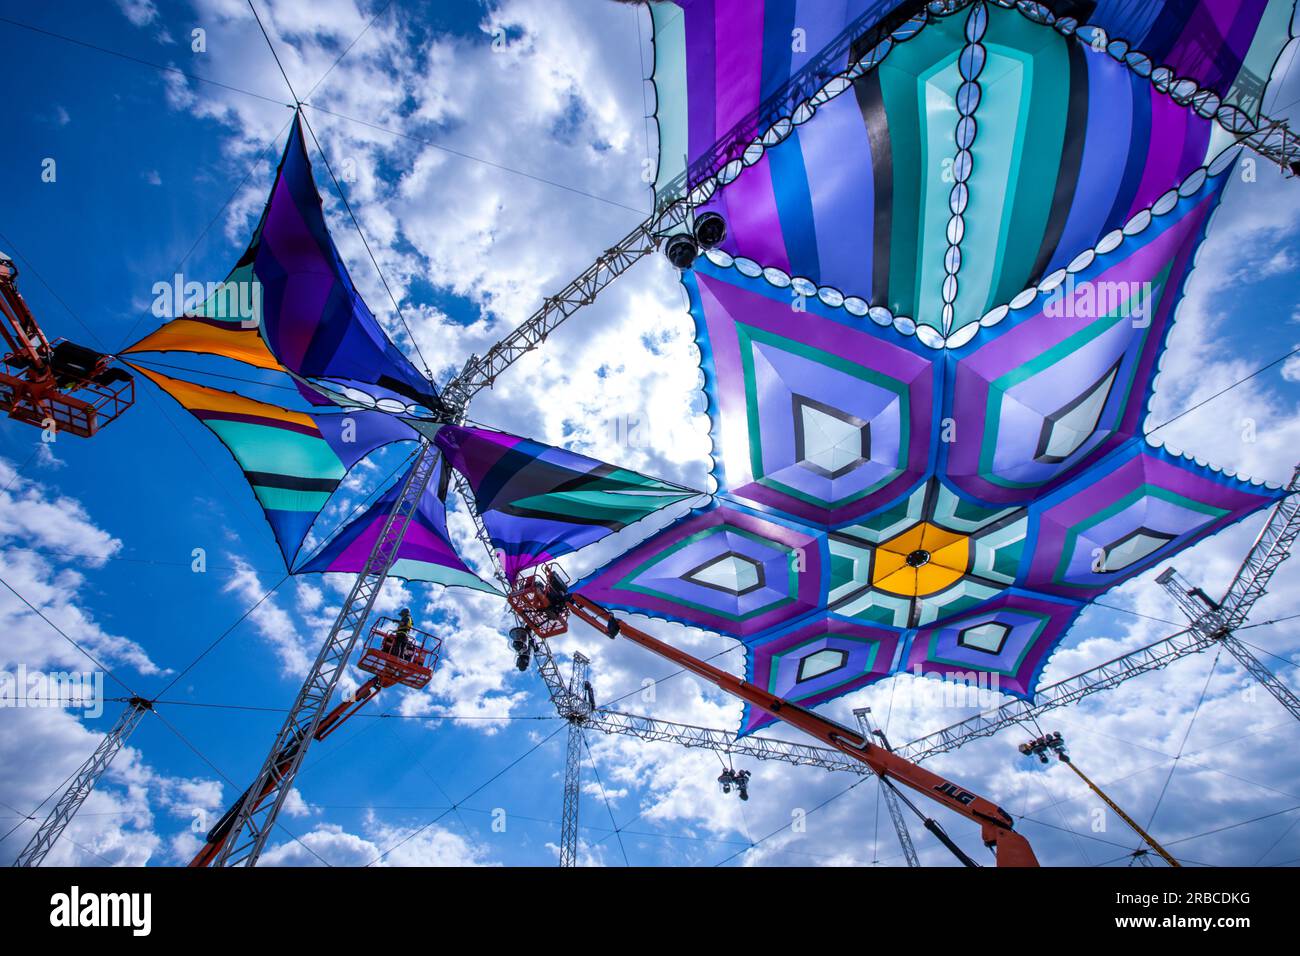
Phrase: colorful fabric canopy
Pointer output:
(425, 553)
(935, 187)
(288, 306)
(931, 337)
(203, 336)
(539, 502)
(718, 62)
(293, 460)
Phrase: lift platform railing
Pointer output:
(400, 658)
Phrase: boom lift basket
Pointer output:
(541, 599)
(61, 385)
(394, 661)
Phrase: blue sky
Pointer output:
(514, 169)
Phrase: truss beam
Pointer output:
(888, 794)
(256, 819)
(1213, 622)
(676, 200)
(83, 782)
(481, 372)
(573, 765)
(1280, 691)
(721, 741)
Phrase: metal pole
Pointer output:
(1120, 813)
(573, 766)
(995, 823)
(891, 798)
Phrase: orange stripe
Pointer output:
(188, 335)
(201, 398)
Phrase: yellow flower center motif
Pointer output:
(922, 560)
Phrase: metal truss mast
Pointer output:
(83, 782)
(257, 816)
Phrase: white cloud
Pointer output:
(430, 846)
(141, 13)
(275, 625)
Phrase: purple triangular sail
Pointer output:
(425, 554)
(313, 319)
(539, 502)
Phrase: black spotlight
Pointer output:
(681, 251)
(710, 230)
(519, 639)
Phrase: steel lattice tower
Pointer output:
(257, 815)
(83, 782)
(573, 762)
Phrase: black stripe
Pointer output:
(891, 21)
(1067, 174)
(425, 398)
(872, 107)
(269, 479)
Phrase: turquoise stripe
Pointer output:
(670, 91)
(937, 92)
(286, 499)
(278, 451)
(1040, 139)
(1001, 116)
(413, 570)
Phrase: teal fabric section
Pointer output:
(282, 452)
(670, 91)
(286, 499)
(1039, 139)
(1005, 86)
(413, 570)
(938, 105)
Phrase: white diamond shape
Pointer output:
(823, 662)
(1132, 549)
(831, 444)
(731, 572)
(1067, 433)
(984, 637)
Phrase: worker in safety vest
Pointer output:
(401, 643)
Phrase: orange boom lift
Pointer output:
(543, 602)
(63, 386)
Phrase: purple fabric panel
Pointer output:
(473, 451)
(603, 588)
(1178, 143)
(837, 156)
(308, 279)
(749, 206)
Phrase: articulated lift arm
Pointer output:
(58, 385)
(995, 823)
